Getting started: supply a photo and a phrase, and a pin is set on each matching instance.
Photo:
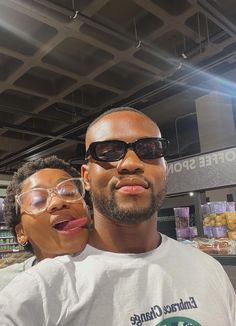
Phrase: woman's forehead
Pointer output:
(45, 178)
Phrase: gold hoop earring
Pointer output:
(24, 244)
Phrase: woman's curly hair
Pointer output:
(11, 213)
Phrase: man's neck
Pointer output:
(117, 237)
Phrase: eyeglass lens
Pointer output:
(114, 150)
(109, 151)
(36, 200)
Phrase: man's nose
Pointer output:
(131, 163)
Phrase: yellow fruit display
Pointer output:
(231, 220)
(214, 219)
(232, 235)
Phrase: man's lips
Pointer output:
(132, 185)
(131, 182)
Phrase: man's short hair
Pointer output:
(118, 109)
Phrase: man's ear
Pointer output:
(167, 169)
(85, 176)
(21, 235)
(165, 175)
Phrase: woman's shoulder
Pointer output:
(7, 274)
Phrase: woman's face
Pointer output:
(62, 228)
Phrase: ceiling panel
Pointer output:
(64, 62)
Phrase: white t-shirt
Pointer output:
(173, 285)
(8, 273)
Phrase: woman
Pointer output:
(45, 210)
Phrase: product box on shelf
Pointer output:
(219, 219)
(231, 224)
(219, 224)
(182, 222)
(183, 228)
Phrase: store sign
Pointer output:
(212, 170)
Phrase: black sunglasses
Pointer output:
(115, 150)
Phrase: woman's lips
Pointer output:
(71, 225)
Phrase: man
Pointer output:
(126, 193)
(129, 274)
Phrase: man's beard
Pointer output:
(109, 208)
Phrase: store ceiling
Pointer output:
(62, 62)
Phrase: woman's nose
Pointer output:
(56, 202)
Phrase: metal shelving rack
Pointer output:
(7, 242)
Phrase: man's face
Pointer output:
(129, 190)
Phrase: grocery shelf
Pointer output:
(10, 250)
(8, 243)
(6, 246)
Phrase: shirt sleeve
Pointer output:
(232, 298)
(227, 291)
(21, 302)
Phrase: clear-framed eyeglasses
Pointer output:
(36, 200)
